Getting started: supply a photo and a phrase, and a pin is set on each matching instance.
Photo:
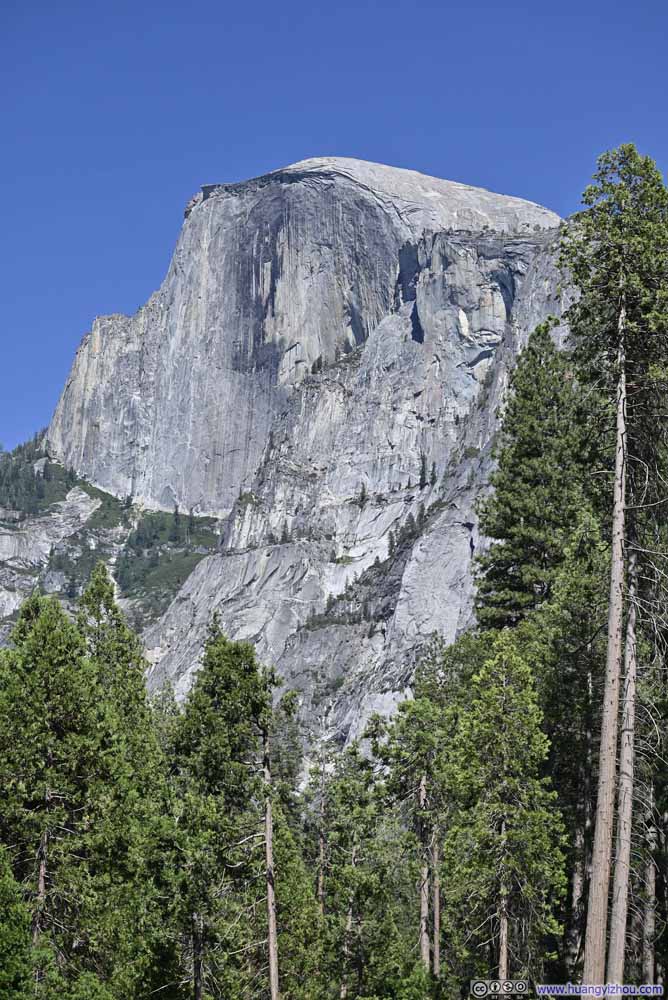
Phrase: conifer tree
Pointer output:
(564, 641)
(117, 655)
(130, 837)
(412, 747)
(299, 925)
(175, 530)
(85, 816)
(15, 951)
(544, 458)
(49, 757)
(218, 786)
(502, 850)
(243, 896)
(616, 253)
(57, 765)
(368, 887)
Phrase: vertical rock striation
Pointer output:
(323, 367)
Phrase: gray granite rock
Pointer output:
(324, 333)
(26, 547)
(175, 404)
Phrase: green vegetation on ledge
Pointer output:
(29, 482)
(158, 557)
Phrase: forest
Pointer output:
(509, 822)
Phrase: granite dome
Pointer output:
(324, 332)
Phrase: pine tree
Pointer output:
(502, 850)
(129, 809)
(544, 457)
(616, 253)
(85, 815)
(15, 949)
(299, 924)
(368, 885)
(49, 751)
(564, 641)
(218, 779)
(411, 749)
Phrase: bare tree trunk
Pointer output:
(574, 928)
(582, 866)
(436, 952)
(198, 954)
(343, 992)
(661, 831)
(424, 880)
(649, 905)
(269, 861)
(40, 902)
(321, 873)
(503, 922)
(41, 886)
(622, 874)
(597, 911)
(589, 770)
(359, 956)
(321, 846)
(503, 939)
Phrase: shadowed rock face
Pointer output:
(325, 336)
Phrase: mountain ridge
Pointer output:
(412, 186)
(321, 371)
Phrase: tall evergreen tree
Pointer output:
(565, 642)
(218, 786)
(412, 748)
(502, 850)
(368, 888)
(84, 811)
(616, 253)
(50, 756)
(15, 950)
(130, 837)
(299, 924)
(544, 458)
(243, 897)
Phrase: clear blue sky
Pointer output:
(113, 114)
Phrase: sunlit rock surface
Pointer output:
(322, 367)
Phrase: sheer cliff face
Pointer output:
(327, 337)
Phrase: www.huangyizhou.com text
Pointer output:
(599, 990)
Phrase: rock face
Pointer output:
(323, 367)
(25, 547)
